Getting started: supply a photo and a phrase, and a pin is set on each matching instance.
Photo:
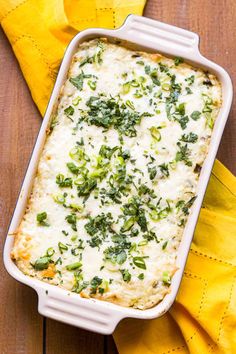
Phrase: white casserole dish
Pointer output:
(91, 314)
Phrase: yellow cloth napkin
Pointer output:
(40, 30)
(203, 318)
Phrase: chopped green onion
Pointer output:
(76, 100)
(76, 207)
(128, 224)
(138, 94)
(62, 247)
(166, 278)
(155, 133)
(126, 88)
(143, 243)
(41, 263)
(139, 262)
(166, 87)
(59, 198)
(50, 252)
(130, 104)
(74, 266)
(92, 85)
(74, 238)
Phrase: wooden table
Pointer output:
(22, 329)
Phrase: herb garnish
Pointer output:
(41, 263)
(183, 154)
(164, 169)
(125, 275)
(115, 254)
(62, 247)
(41, 219)
(108, 112)
(71, 219)
(189, 138)
(78, 81)
(95, 282)
(69, 111)
(134, 209)
(74, 266)
(195, 115)
(178, 60)
(139, 262)
(63, 182)
(73, 168)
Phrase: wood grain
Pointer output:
(21, 330)
(76, 341)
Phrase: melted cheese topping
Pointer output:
(118, 175)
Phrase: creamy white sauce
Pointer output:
(118, 67)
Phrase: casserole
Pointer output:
(53, 302)
(108, 207)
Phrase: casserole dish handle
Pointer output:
(84, 313)
(150, 33)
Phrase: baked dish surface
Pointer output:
(118, 175)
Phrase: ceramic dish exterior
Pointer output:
(142, 34)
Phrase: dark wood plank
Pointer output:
(61, 337)
(21, 329)
(110, 346)
(215, 22)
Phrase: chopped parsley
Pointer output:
(183, 154)
(115, 254)
(195, 115)
(78, 81)
(86, 187)
(94, 284)
(69, 111)
(190, 80)
(152, 172)
(125, 275)
(178, 60)
(134, 209)
(141, 276)
(71, 219)
(110, 112)
(164, 169)
(189, 138)
(101, 225)
(63, 182)
(41, 219)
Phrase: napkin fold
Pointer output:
(203, 318)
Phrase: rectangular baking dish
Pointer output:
(95, 315)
